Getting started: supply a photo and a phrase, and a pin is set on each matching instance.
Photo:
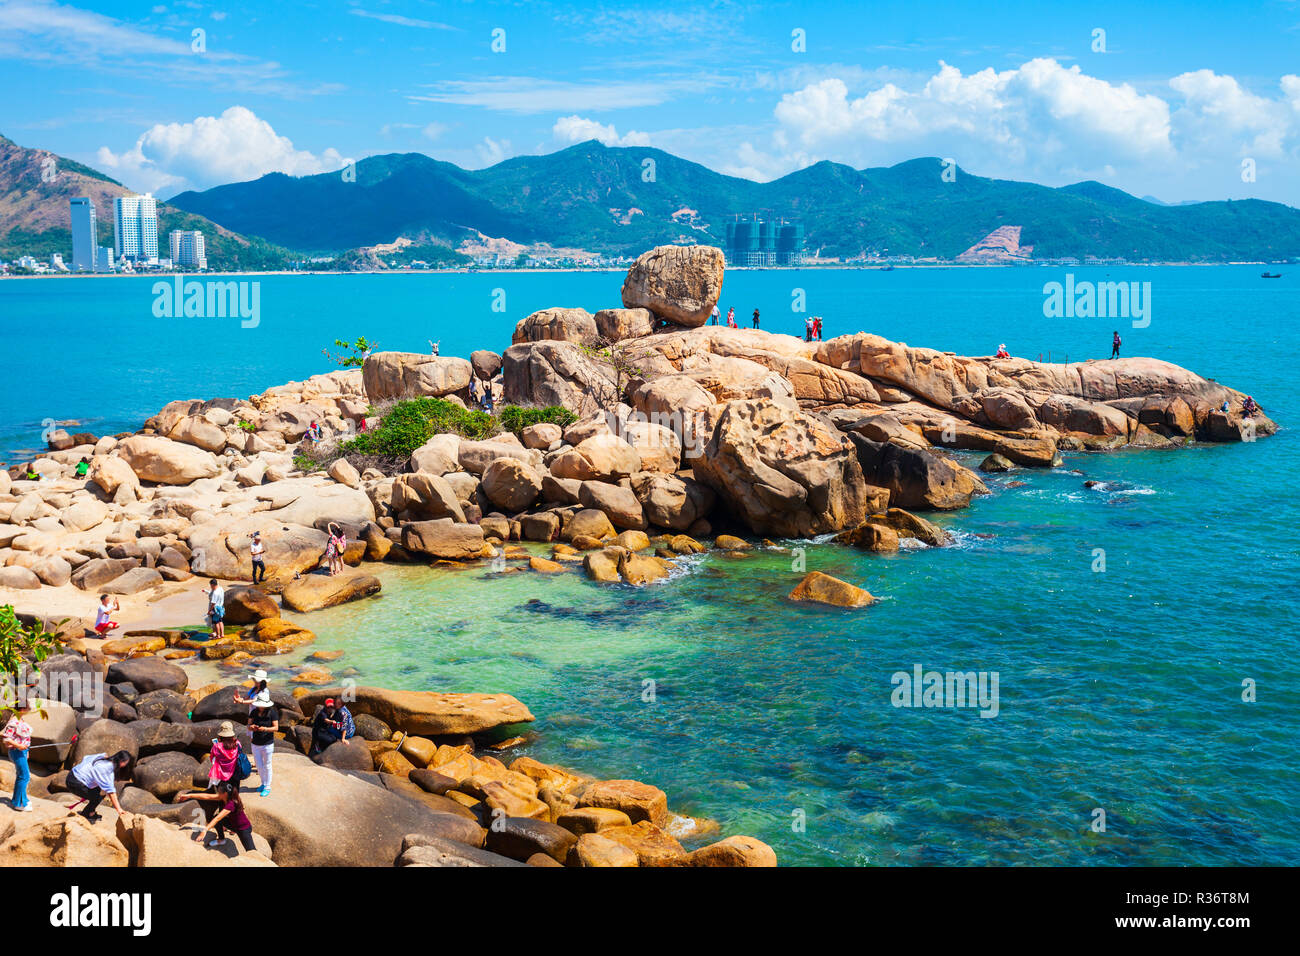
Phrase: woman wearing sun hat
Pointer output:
(263, 722)
(225, 755)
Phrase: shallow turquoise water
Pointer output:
(1119, 690)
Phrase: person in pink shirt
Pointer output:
(18, 739)
(224, 753)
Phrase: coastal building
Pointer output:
(135, 228)
(82, 211)
(57, 264)
(764, 242)
(187, 250)
(104, 260)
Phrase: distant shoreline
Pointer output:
(828, 267)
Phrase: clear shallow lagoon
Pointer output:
(1119, 690)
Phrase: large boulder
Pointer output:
(148, 673)
(557, 373)
(134, 581)
(156, 843)
(444, 538)
(556, 324)
(54, 724)
(50, 836)
(677, 283)
(167, 462)
(110, 473)
(395, 375)
(602, 457)
(916, 478)
(248, 605)
(311, 592)
(439, 455)
(316, 816)
(422, 495)
(672, 502)
(485, 364)
(220, 546)
(511, 485)
(166, 774)
(426, 713)
(615, 325)
(783, 471)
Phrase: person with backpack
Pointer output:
(226, 754)
(1114, 345)
(95, 778)
(334, 548)
(755, 316)
(216, 608)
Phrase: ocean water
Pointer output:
(1120, 689)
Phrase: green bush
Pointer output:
(516, 419)
(411, 423)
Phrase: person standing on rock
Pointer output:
(817, 328)
(731, 317)
(755, 318)
(225, 755)
(96, 777)
(257, 551)
(714, 315)
(103, 613)
(263, 721)
(18, 739)
(808, 329)
(334, 548)
(216, 608)
(1114, 345)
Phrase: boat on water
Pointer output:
(1270, 275)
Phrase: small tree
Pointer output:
(21, 646)
(358, 351)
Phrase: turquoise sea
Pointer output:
(1119, 689)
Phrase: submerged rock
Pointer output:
(821, 588)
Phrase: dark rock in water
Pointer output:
(166, 774)
(148, 673)
(995, 462)
(1093, 483)
(349, 672)
(372, 728)
(520, 837)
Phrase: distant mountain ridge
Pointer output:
(626, 199)
(35, 186)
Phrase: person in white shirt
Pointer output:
(216, 608)
(258, 552)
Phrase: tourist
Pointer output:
(817, 328)
(714, 315)
(731, 317)
(332, 724)
(216, 608)
(257, 551)
(433, 347)
(107, 605)
(83, 468)
(755, 317)
(263, 722)
(18, 739)
(96, 777)
(32, 474)
(808, 329)
(313, 433)
(1225, 407)
(1249, 408)
(475, 391)
(231, 811)
(334, 548)
(1002, 352)
(225, 755)
(1114, 345)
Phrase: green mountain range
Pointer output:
(623, 200)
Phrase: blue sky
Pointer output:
(1183, 98)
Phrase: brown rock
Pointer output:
(823, 589)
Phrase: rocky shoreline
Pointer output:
(685, 437)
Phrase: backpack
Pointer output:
(243, 768)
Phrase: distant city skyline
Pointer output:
(1178, 101)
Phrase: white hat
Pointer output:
(262, 699)
(259, 675)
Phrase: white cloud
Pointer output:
(400, 20)
(212, 150)
(526, 94)
(577, 129)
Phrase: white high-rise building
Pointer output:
(135, 228)
(187, 249)
(82, 210)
